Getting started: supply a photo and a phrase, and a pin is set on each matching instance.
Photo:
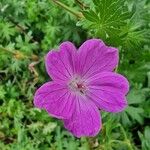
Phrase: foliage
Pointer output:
(145, 138)
(28, 29)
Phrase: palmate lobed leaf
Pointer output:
(135, 113)
(6, 30)
(91, 16)
(107, 15)
(135, 110)
(134, 34)
(136, 96)
(118, 22)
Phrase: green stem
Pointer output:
(7, 50)
(92, 143)
(81, 4)
(116, 69)
(18, 26)
(19, 55)
(123, 131)
(126, 139)
(77, 14)
(130, 146)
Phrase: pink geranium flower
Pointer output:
(83, 82)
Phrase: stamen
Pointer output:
(80, 86)
(77, 85)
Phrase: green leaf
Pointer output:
(135, 113)
(108, 15)
(135, 109)
(7, 30)
(145, 138)
(136, 96)
(91, 16)
(2, 92)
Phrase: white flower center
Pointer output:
(77, 85)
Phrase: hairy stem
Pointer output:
(7, 50)
(19, 55)
(81, 4)
(75, 13)
(19, 27)
(92, 142)
(127, 141)
(116, 69)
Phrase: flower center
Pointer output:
(77, 85)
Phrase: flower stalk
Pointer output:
(19, 55)
(75, 13)
(126, 140)
(92, 142)
(81, 4)
(7, 50)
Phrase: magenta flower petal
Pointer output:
(60, 64)
(86, 120)
(95, 56)
(83, 83)
(56, 99)
(108, 90)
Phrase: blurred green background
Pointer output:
(30, 28)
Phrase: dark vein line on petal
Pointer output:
(57, 99)
(65, 67)
(106, 90)
(98, 98)
(72, 62)
(56, 68)
(66, 100)
(72, 103)
(51, 91)
(93, 64)
(102, 68)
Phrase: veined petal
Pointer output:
(56, 99)
(95, 56)
(108, 90)
(86, 120)
(60, 64)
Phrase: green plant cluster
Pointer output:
(30, 28)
